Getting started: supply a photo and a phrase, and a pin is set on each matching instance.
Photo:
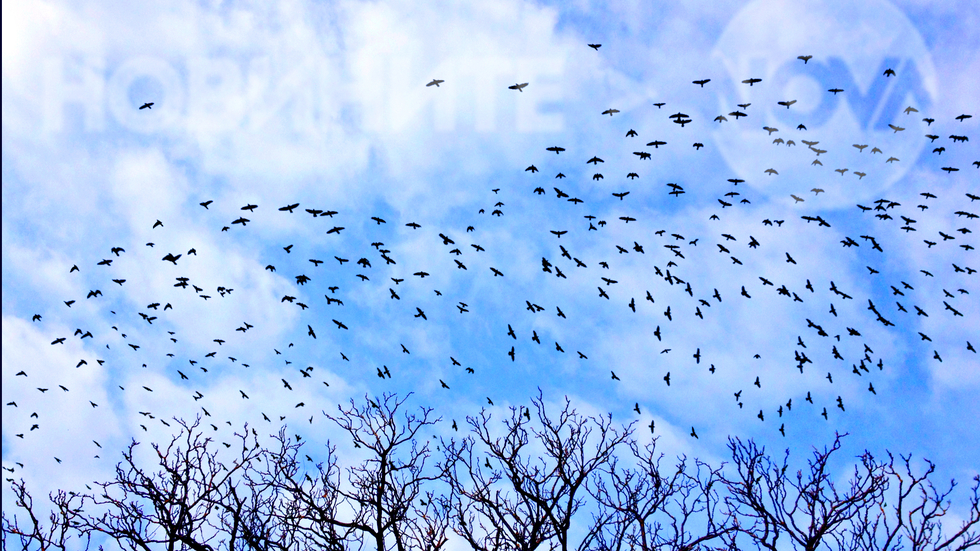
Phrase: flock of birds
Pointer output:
(376, 263)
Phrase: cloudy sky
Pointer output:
(325, 104)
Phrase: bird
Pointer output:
(610, 112)
(518, 87)
(435, 82)
(148, 105)
(805, 58)
(702, 82)
(595, 46)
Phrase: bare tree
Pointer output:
(57, 533)
(307, 507)
(808, 508)
(545, 496)
(266, 499)
(172, 506)
(915, 514)
(383, 488)
(649, 510)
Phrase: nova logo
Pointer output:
(852, 45)
(873, 108)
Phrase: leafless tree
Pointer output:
(807, 507)
(56, 534)
(383, 489)
(914, 517)
(647, 509)
(545, 493)
(263, 499)
(187, 503)
(542, 473)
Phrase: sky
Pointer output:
(326, 104)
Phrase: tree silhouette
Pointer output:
(383, 488)
(192, 500)
(545, 493)
(202, 497)
(648, 508)
(56, 535)
(912, 512)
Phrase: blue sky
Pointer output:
(326, 105)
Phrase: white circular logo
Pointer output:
(852, 45)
